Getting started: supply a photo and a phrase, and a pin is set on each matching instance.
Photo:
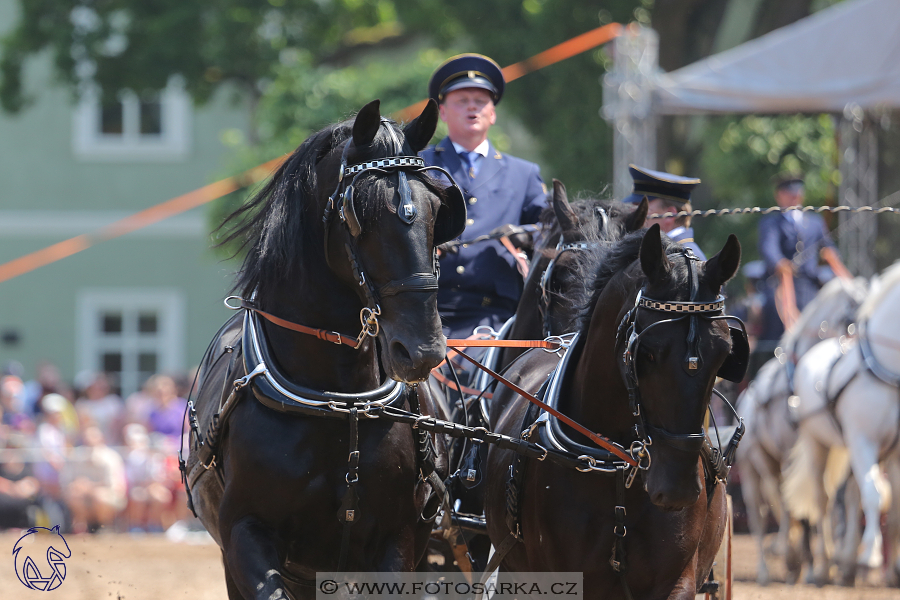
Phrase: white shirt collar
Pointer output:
(794, 215)
(481, 148)
(677, 231)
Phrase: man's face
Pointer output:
(657, 206)
(468, 112)
(789, 196)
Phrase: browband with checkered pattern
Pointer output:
(684, 307)
(385, 163)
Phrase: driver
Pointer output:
(479, 283)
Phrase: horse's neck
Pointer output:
(883, 330)
(830, 309)
(597, 397)
(314, 363)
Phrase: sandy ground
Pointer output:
(150, 567)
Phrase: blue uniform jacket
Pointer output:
(780, 237)
(507, 190)
(685, 237)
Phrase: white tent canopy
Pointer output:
(849, 53)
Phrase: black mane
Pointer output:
(585, 208)
(278, 227)
(602, 264)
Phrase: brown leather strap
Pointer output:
(594, 437)
(452, 385)
(469, 343)
(521, 263)
(323, 334)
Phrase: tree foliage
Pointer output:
(304, 63)
(742, 155)
(139, 44)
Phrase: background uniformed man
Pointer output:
(667, 193)
(479, 284)
(790, 244)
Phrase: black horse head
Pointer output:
(677, 357)
(591, 222)
(342, 229)
(553, 290)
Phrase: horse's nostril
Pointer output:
(400, 353)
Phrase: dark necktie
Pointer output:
(470, 159)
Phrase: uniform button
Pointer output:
(460, 269)
(473, 200)
(470, 221)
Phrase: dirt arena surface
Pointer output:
(150, 567)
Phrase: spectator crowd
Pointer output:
(80, 456)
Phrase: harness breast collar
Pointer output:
(875, 367)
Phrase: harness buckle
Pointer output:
(338, 338)
(229, 306)
(246, 379)
(589, 460)
(211, 465)
(486, 330)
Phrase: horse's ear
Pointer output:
(366, 125)
(564, 213)
(55, 529)
(653, 260)
(635, 220)
(420, 131)
(722, 267)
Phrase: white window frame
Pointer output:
(173, 144)
(168, 343)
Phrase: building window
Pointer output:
(130, 334)
(152, 126)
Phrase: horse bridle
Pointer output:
(547, 275)
(341, 201)
(628, 335)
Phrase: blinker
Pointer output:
(406, 210)
(348, 214)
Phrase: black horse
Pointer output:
(548, 306)
(341, 239)
(652, 340)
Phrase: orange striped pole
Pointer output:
(213, 191)
(154, 214)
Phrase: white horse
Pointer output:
(848, 400)
(771, 431)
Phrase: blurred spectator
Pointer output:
(148, 493)
(48, 381)
(19, 488)
(100, 408)
(93, 483)
(168, 412)
(51, 440)
(12, 399)
(139, 405)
